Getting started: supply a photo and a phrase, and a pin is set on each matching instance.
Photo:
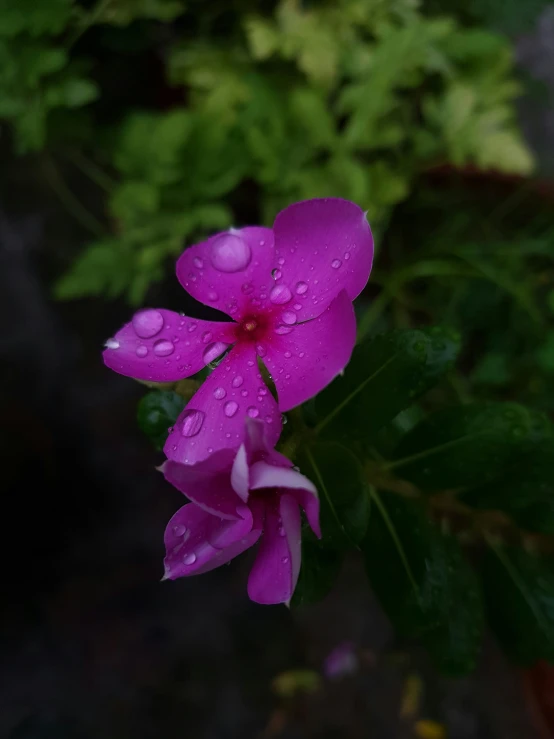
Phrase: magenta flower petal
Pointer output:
(207, 483)
(231, 271)
(275, 572)
(198, 542)
(321, 247)
(163, 346)
(305, 360)
(214, 417)
(240, 474)
(264, 475)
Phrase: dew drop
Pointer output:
(230, 408)
(213, 296)
(288, 354)
(262, 390)
(189, 559)
(180, 530)
(141, 352)
(297, 306)
(207, 337)
(163, 348)
(282, 330)
(247, 288)
(302, 354)
(230, 253)
(289, 318)
(199, 263)
(281, 261)
(237, 382)
(112, 344)
(244, 393)
(276, 274)
(281, 531)
(268, 419)
(192, 327)
(253, 412)
(301, 288)
(346, 255)
(280, 294)
(285, 560)
(260, 350)
(192, 422)
(219, 393)
(147, 323)
(213, 351)
(336, 263)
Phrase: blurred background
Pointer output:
(131, 128)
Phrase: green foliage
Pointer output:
(519, 590)
(318, 572)
(157, 412)
(338, 97)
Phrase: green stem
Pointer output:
(95, 173)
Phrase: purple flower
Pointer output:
(237, 499)
(289, 291)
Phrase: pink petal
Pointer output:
(322, 247)
(215, 416)
(231, 271)
(304, 361)
(207, 483)
(275, 572)
(163, 346)
(258, 445)
(198, 542)
(264, 475)
(240, 474)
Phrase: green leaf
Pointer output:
(385, 376)
(525, 491)
(455, 644)
(157, 411)
(423, 583)
(519, 592)
(468, 445)
(343, 493)
(318, 572)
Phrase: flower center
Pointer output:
(251, 328)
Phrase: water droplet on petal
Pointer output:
(252, 411)
(199, 263)
(268, 419)
(213, 296)
(207, 337)
(213, 351)
(297, 306)
(281, 261)
(280, 294)
(142, 351)
(347, 255)
(262, 390)
(112, 344)
(285, 560)
(336, 263)
(189, 559)
(180, 530)
(282, 330)
(192, 327)
(230, 408)
(163, 348)
(244, 393)
(147, 323)
(301, 288)
(281, 531)
(289, 318)
(260, 350)
(237, 382)
(219, 393)
(230, 253)
(247, 288)
(302, 354)
(192, 422)
(276, 274)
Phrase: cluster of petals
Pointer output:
(288, 291)
(238, 498)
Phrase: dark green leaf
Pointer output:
(384, 376)
(156, 412)
(525, 492)
(423, 583)
(343, 493)
(455, 643)
(469, 445)
(318, 572)
(519, 593)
